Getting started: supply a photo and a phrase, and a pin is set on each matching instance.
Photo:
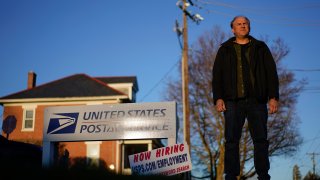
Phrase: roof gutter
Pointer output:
(67, 99)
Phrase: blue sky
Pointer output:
(59, 38)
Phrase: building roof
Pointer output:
(78, 85)
(120, 79)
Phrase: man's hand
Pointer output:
(220, 107)
(273, 106)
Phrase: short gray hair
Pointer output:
(247, 19)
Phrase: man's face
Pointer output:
(240, 27)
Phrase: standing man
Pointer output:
(244, 81)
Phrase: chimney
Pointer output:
(32, 77)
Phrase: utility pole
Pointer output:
(185, 71)
(185, 78)
(313, 161)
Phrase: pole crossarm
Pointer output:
(313, 161)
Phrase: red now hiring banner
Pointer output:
(168, 161)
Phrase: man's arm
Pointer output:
(217, 77)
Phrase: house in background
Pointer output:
(24, 112)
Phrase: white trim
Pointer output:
(118, 158)
(128, 86)
(93, 142)
(29, 106)
(67, 99)
(93, 103)
(137, 142)
(62, 103)
(115, 85)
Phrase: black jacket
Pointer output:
(224, 72)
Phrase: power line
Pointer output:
(196, 18)
(317, 147)
(306, 70)
(278, 20)
(266, 9)
(307, 141)
(311, 89)
(314, 139)
(159, 82)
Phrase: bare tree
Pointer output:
(207, 125)
(296, 175)
(311, 176)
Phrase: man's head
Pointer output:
(240, 26)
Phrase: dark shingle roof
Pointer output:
(78, 85)
(120, 79)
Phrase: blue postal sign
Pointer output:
(110, 122)
(167, 161)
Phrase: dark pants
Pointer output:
(235, 115)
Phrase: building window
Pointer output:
(130, 149)
(93, 153)
(133, 147)
(28, 119)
